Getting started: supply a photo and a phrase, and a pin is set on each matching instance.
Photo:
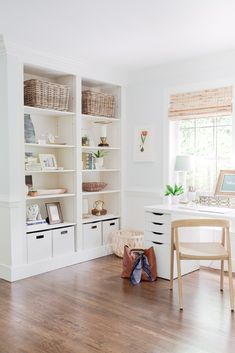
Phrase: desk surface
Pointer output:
(194, 210)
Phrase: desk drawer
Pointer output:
(157, 217)
(158, 227)
(158, 237)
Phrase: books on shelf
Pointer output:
(37, 221)
(87, 160)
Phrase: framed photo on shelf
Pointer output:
(226, 183)
(47, 161)
(54, 212)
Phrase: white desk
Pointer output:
(158, 220)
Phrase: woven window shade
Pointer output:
(201, 104)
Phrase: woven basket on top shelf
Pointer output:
(132, 238)
(47, 95)
(97, 103)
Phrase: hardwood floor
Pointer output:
(88, 308)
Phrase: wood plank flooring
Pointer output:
(88, 308)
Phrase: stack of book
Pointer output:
(87, 160)
(37, 221)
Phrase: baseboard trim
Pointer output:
(16, 273)
(5, 272)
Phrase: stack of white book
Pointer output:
(37, 221)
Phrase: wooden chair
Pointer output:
(201, 251)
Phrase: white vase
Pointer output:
(99, 163)
(175, 199)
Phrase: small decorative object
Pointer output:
(132, 238)
(33, 213)
(174, 192)
(191, 194)
(29, 180)
(144, 144)
(26, 190)
(99, 158)
(51, 191)
(29, 132)
(85, 141)
(51, 138)
(226, 183)
(93, 186)
(54, 213)
(33, 192)
(42, 140)
(98, 209)
(47, 161)
(217, 201)
(103, 138)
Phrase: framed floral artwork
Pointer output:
(144, 144)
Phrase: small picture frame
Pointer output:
(47, 161)
(226, 183)
(54, 213)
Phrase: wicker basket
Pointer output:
(93, 186)
(96, 103)
(47, 95)
(132, 238)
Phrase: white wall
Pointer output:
(147, 100)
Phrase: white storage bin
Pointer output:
(92, 235)
(39, 246)
(63, 241)
(108, 227)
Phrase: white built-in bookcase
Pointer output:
(111, 171)
(63, 125)
(14, 252)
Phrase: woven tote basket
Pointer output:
(47, 95)
(132, 238)
(96, 103)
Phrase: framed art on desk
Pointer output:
(226, 183)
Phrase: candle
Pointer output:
(104, 130)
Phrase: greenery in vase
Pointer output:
(175, 190)
(99, 154)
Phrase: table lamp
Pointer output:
(183, 164)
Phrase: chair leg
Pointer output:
(222, 276)
(179, 281)
(172, 266)
(230, 275)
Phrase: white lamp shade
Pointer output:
(183, 163)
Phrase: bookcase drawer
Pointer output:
(108, 227)
(39, 246)
(92, 235)
(63, 241)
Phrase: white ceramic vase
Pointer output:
(175, 199)
(99, 163)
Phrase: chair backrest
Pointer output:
(200, 222)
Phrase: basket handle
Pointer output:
(137, 250)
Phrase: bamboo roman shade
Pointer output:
(201, 104)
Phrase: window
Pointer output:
(210, 141)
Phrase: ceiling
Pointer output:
(124, 34)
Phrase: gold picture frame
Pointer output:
(54, 213)
(226, 183)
